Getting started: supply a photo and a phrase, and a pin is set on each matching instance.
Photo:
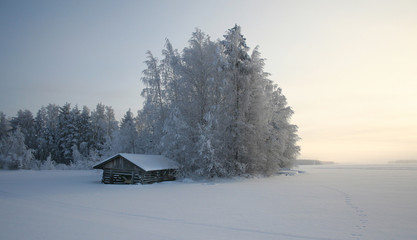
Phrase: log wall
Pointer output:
(123, 176)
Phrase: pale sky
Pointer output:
(347, 68)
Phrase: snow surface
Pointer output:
(147, 162)
(325, 202)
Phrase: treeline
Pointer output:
(64, 137)
(210, 107)
(312, 162)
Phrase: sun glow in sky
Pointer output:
(347, 68)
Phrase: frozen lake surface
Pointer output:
(326, 202)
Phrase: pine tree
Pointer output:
(237, 69)
(4, 125)
(52, 131)
(128, 135)
(98, 128)
(41, 152)
(85, 132)
(66, 133)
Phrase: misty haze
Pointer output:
(208, 119)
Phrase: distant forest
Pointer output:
(64, 137)
(210, 107)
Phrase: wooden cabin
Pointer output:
(127, 168)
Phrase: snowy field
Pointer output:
(326, 202)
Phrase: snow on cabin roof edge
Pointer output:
(144, 161)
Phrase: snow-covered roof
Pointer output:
(146, 162)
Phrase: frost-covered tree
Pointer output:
(256, 116)
(220, 113)
(14, 153)
(282, 136)
(48, 164)
(98, 127)
(52, 131)
(177, 142)
(4, 125)
(24, 120)
(111, 122)
(80, 161)
(170, 71)
(128, 134)
(200, 85)
(84, 128)
(154, 92)
(153, 113)
(238, 75)
(102, 125)
(68, 132)
(211, 160)
(41, 129)
(66, 136)
(198, 73)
